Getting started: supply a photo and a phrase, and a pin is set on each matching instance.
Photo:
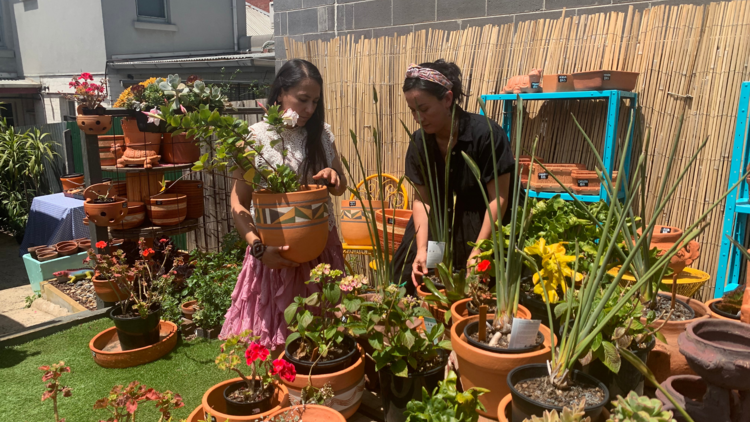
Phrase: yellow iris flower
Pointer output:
(554, 268)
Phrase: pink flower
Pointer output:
(153, 115)
(72, 84)
(182, 109)
(86, 76)
(256, 351)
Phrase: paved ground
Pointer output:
(14, 288)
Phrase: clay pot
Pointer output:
(664, 237)
(72, 181)
(33, 250)
(108, 292)
(347, 384)
(67, 249)
(718, 313)
(354, 225)
(423, 291)
(45, 256)
(193, 189)
(600, 80)
(310, 413)
(94, 124)
(542, 181)
(686, 390)
(562, 82)
(107, 353)
(136, 216)
(504, 409)
(108, 214)
(142, 148)
(745, 309)
(179, 149)
(111, 147)
(167, 209)
(331, 366)
(196, 415)
(298, 219)
(524, 163)
(84, 245)
(459, 311)
(395, 221)
(719, 352)
(188, 309)
(214, 404)
(480, 368)
(666, 359)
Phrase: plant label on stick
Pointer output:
(523, 333)
(435, 251)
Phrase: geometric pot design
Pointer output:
(167, 209)
(297, 219)
(395, 222)
(354, 225)
(193, 189)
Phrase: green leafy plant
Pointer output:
(638, 409)
(30, 299)
(567, 415)
(191, 94)
(446, 404)
(52, 373)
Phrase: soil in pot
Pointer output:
(727, 311)
(133, 331)
(500, 346)
(238, 404)
(339, 357)
(396, 392)
(682, 312)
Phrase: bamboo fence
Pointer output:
(691, 61)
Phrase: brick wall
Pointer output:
(305, 20)
(260, 4)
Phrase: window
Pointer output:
(152, 10)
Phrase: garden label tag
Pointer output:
(562, 78)
(352, 203)
(391, 220)
(523, 333)
(429, 322)
(606, 76)
(583, 183)
(435, 251)
(666, 230)
(542, 176)
(535, 85)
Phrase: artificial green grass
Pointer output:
(188, 370)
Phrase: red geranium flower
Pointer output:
(147, 252)
(86, 76)
(483, 266)
(256, 351)
(101, 244)
(163, 240)
(284, 369)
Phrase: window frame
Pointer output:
(153, 19)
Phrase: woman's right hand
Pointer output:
(272, 258)
(419, 267)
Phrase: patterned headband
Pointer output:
(432, 75)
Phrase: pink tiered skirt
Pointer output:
(262, 294)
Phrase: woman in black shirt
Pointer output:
(432, 90)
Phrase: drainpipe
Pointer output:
(234, 23)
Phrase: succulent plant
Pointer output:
(568, 415)
(634, 408)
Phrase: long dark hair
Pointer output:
(290, 75)
(449, 70)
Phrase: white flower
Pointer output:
(290, 117)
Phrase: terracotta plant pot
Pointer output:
(480, 368)
(64, 244)
(542, 181)
(46, 256)
(84, 245)
(188, 309)
(72, 181)
(586, 182)
(395, 221)
(686, 390)
(524, 163)
(298, 220)
(459, 311)
(67, 250)
(714, 312)
(309, 413)
(215, 406)
(94, 124)
(108, 292)
(347, 384)
(179, 149)
(142, 148)
(111, 147)
(354, 225)
(423, 291)
(664, 237)
(167, 209)
(109, 214)
(32, 250)
(193, 189)
(504, 409)
(136, 216)
(666, 359)
(562, 82)
(107, 353)
(196, 415)
(600, 80)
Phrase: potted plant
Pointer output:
(446, 403)
(254, 394)
(634, 408)
(89, 96)
(307, 413)
(103, 208)
(109, 273)
(730, 304)
(52, 373)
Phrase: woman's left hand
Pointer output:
(330, 176)
(472, 258)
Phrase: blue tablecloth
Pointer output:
(53, 218)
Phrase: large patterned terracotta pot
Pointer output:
(395, 221)
(298, 220)
(167, 209)
(354, 224)
(193, 189)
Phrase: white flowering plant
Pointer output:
(321, 320)
(234, 145)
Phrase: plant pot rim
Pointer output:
(325, 409)
(575, 372)
(712, 305)
(273, 386)
(283, 402)
(736, 328)
(155, 307)
(169, 325)
(460, 344)
(322, 365)
(509, 351)
(302, 189)
(685, 304)
(167, 196)
(301, 380)
(71, 175)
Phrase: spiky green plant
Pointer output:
(567, 415)
(638, 409)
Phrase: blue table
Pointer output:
(53, 218)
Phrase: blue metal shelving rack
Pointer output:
(613, 98)
(730, 259)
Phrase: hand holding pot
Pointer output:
(419, 267)
(272, 258)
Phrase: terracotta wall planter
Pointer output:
(136, 216)
(72, 181)
(480, 368)
(311, 413)
(347, 384)
(666, 359)
(298, 219)
(108, 292)
(167, 209)
(108, 214)
(215, 406)
(178, 148)
(395, 222)
(586, 182)
(562, 82)
(95, 124)
(193, 189)
(111, 147)
(354, 224)
(142, 148)
(542, 181)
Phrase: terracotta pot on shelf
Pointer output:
(214, 405)
(354, 224)
(67, 249)
(193, 189)
(347, 384)
(142, 148)
(167, 209)
(481, 368)
(178, 148)
(136, 216)
(84, 245)
(188, 309)
(298, 219)
(108, 214)
(308, 413)
(395, 221)
(111, 147)
(745, 308)
(600, 80)
(72, 181)
(586, 182)
(524, 163)
(558, 82)
(33, 250)
(108, 292)
(542, 181)
(94, 124)
(46, 256)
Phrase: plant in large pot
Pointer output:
(89, 96)
(109, 273)
(446, 403)
(253, 394)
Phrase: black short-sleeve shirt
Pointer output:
(477, 136)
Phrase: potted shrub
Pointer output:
(89, 96)
(446, 403)
(254, 394)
